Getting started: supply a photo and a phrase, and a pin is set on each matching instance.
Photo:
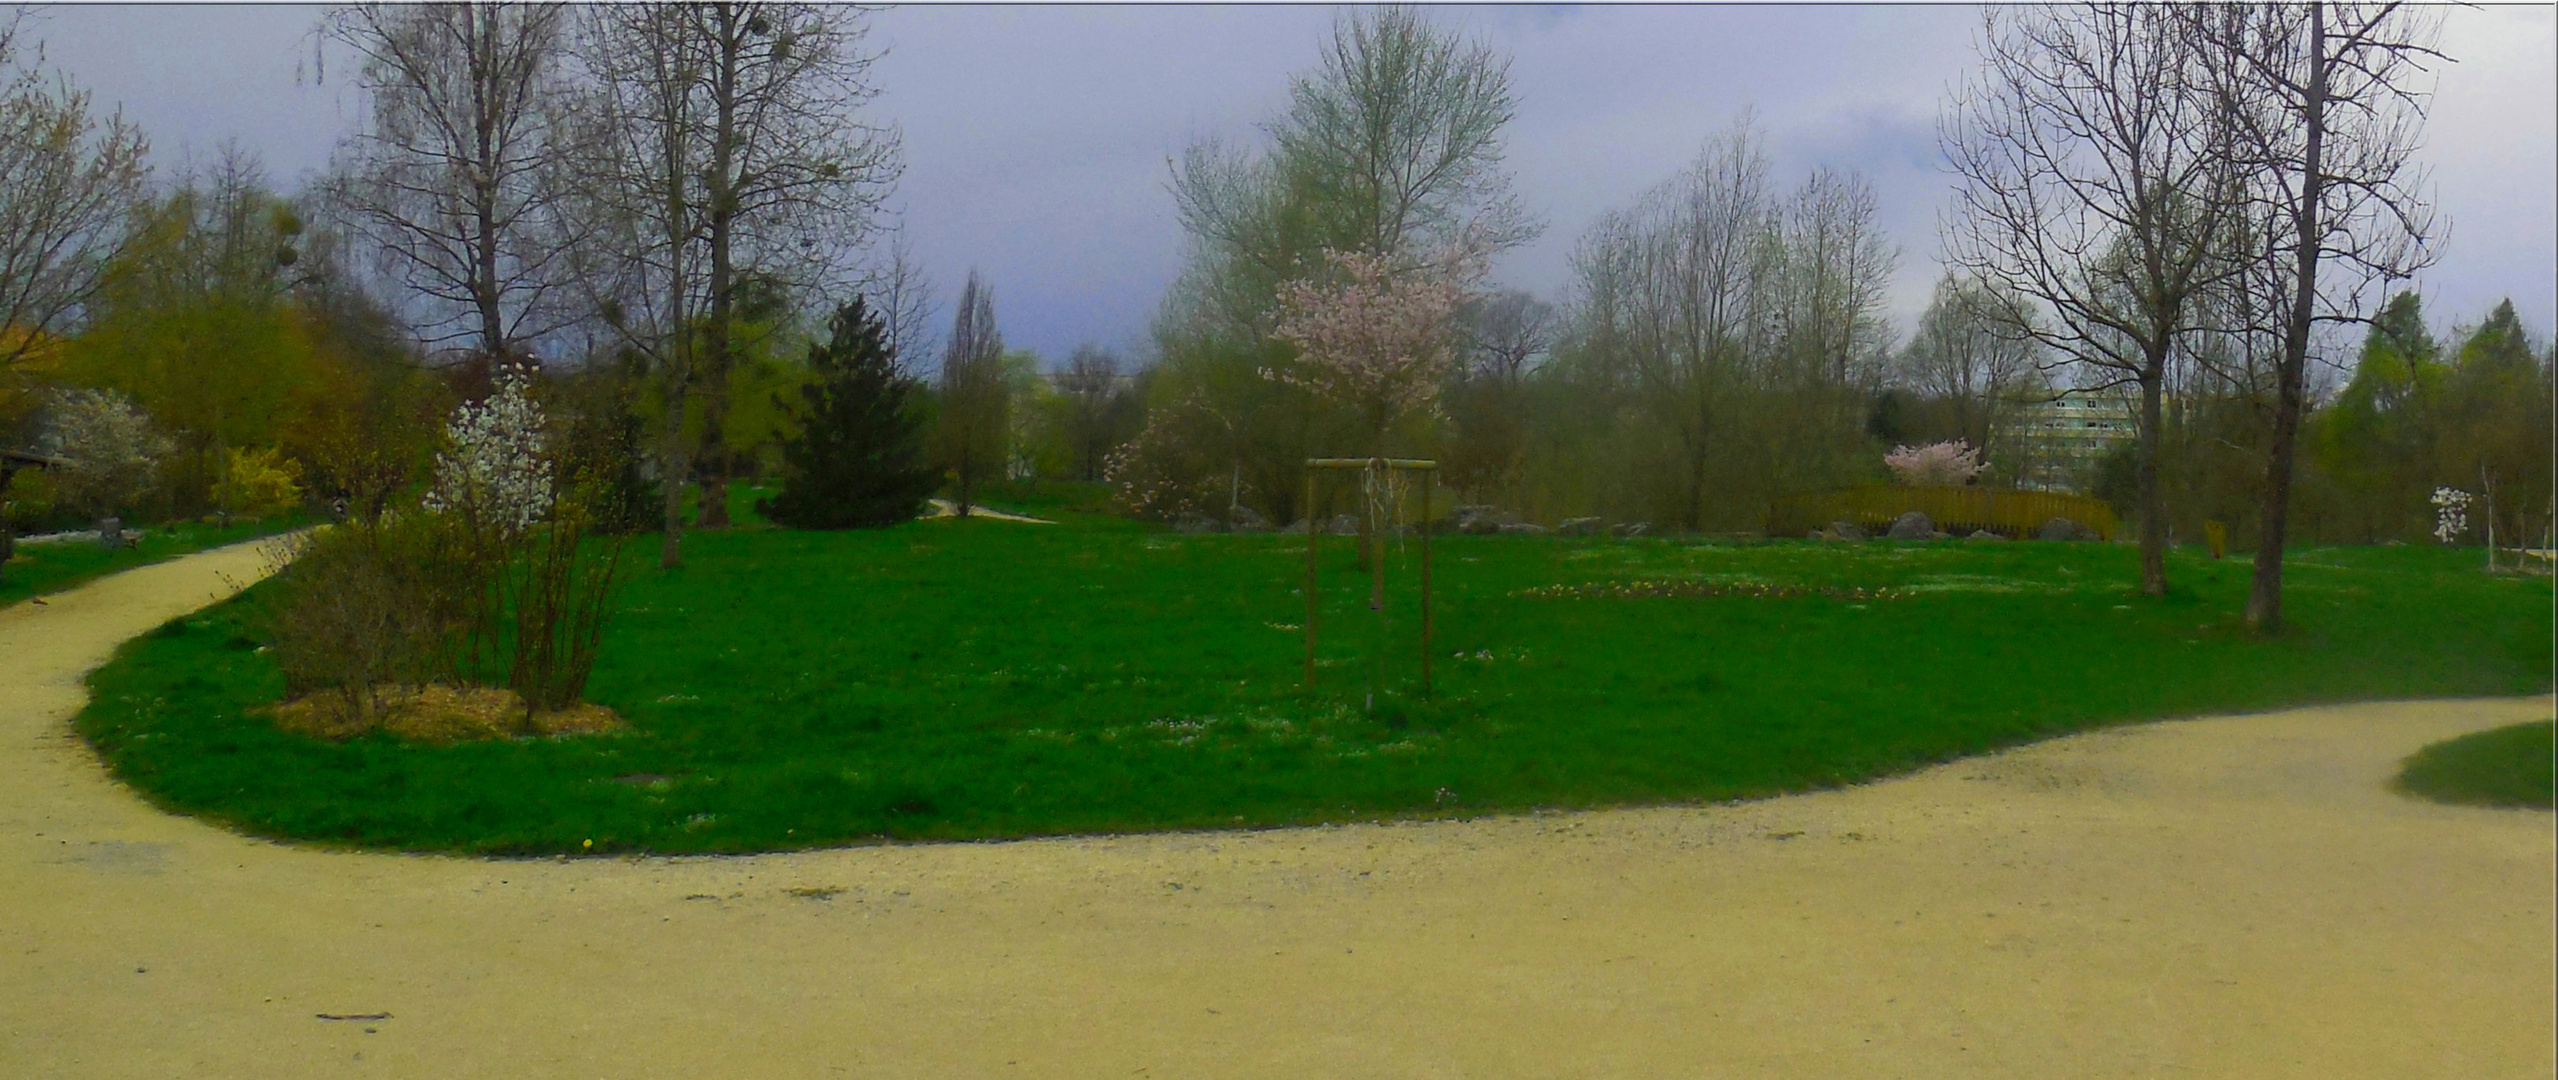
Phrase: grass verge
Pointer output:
(2508, 766)
(975, 679)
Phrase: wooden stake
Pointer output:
(1311, 531)
(1427, 476)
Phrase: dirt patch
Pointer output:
(440, 714)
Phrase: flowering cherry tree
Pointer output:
(498, 472)
(1373, 335)
(1943, 464)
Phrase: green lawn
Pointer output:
(951, 679)
(39, 569)
(2510, 766)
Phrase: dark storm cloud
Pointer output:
(1037, 137)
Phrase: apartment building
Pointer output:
(2062, 440)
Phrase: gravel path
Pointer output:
(2222, 897)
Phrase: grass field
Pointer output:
(2514, 766)
(950, 679)
(52, 567)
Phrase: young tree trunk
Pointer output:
(723, 280)
(481, 30)
(674, 469)
(2265, 589)
(2153, 515)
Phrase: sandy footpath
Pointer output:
(2236, 897)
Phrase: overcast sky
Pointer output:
(1037, 138)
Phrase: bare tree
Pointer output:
(1837, 264)
(1102, 410)
(1502, 332)
(2326, 102)
(454, 176)
(749, 167)
(67, 178)
(2095, 188)
(903, 298)
(1675, 294)
(792, 177)
(1961, 355)
(636, 136)
(976, 397)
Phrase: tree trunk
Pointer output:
(480, 33)
(723, 283)
(2153, 516)
(675, 469)
(2265, 589)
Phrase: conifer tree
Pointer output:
(858, 460)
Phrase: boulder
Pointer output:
(1247, 519)
(2061, 528)
(1912, 526)
(1940, 534)
(1294, 528)
(1478, 525)
(1580, 526)
(1193, 523)
(1985, 534)
(1343, 525)
(1523, 529)
(1629, 530)
(1846, 530)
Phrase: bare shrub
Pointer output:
(348, 619)
(561, 588)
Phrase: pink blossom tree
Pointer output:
(1374, 335)
(1943, 464)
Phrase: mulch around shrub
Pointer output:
(438, 713)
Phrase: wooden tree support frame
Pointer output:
(1376, 566)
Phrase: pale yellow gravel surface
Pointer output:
(2231, 897)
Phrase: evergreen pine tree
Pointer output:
(858, 460)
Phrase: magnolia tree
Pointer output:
(497, 476)
(2451, 514)
(1375, 336)
(1943, 464)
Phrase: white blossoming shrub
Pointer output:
(1167, 470)
(497, 474)
(113, 447)
(2451, 513)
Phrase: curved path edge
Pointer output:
(2226, 896)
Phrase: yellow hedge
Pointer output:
(1957, 510)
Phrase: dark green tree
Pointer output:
(858, 460)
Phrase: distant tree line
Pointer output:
(672, 217)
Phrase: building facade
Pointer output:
(2061, 441)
